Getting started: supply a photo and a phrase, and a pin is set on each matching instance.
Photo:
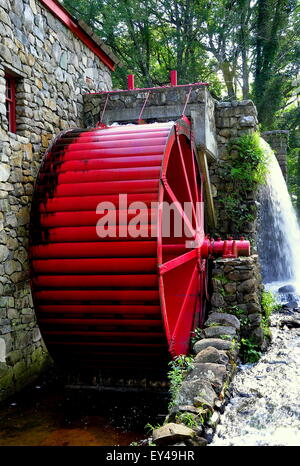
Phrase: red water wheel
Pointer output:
(122, 300)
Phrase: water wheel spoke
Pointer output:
(187, 182)
(178, 261)
(184, 321)
(177, 205)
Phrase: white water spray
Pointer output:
(278, 232)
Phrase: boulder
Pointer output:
(214, 373)
(211, 354)
(172, 432)
(290, 305)
(217, 343)
(197, 442)
(198, 392)
(292, 323)
(286, 289)
(223, 319)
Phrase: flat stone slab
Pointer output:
(216, 331)
(217, 343)
(223, 319)
(172, 432)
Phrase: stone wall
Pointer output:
(278, 140)
(53, 70)
(233, 119)
(237, 289)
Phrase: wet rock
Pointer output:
(209, 434)
(223, 319)
(211, 354)
(214, 419)
(197, 442)
(215, 342)
(292, 323)
(220, 406)
(286, 289)
(216, 331)
(290, 305)
(258, 335)
(244, 395)
(291, 297)
(215, 373)
(197, 392)
(172, 432)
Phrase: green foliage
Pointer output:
(150, 428)
(197, 335)
(225, 337)
(268, 303)
(250, 168)
(179, 367)
(247, 170)
(249, 351)
(275, 51)
(237, 311)
(223, 279)
(265, 325)
(189, 419)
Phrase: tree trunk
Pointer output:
(228, 75)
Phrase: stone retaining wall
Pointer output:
(233, 119)
(237, 288)
(53, 70)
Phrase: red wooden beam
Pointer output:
(64, 16)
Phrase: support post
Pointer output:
(173, 77)
(130, 82)
(212, 219)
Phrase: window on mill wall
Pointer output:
(10, 100)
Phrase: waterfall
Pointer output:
(278, 230)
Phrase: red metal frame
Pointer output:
(10, 98)
(64, 16)
(147, 88)
(130, 82)
(173, 77)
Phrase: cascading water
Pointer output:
(264, 408)
(278, 232)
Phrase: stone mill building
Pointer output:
(47, 62)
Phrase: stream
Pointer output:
(46, 414)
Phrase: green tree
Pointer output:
(276, 22)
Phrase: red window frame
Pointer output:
(10, 100)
